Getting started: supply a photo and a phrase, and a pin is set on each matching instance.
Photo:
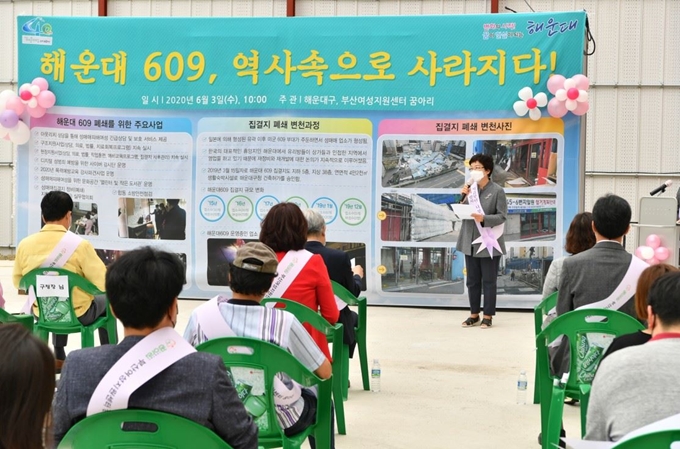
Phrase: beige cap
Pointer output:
(260, 253)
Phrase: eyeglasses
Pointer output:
(476, 167)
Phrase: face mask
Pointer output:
(477, 175)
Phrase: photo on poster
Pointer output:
(152, 218)
(522, 270)
(531, 217)
(422, 217)
(109, 256)
(84, 219)
(521, 163)
(222, 252)
(421, 270)
(423, 163)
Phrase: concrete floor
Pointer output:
(442, 386)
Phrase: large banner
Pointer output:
(182, 133)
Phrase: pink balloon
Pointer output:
(41, 83)
(582, 81)
(26, 95)
(572, 93)
(36, 112)
(581, 108)
(652, 261)
(24, 87)
(556, 82)
(15, 104)
(46, 99)
(653, 241)
(662, 253)
(556, 108)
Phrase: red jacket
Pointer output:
(312, 288)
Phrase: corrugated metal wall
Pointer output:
(632, 128)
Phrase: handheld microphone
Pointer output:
(468, 183)
(661, 188)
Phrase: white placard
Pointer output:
(53, 286)
(464, 211)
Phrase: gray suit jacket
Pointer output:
(195, 387)
(495, 206)
(592, 276)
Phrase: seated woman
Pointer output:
(26, 388)
(645, 282)
(303, 276)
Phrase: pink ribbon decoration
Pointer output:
(488, 237)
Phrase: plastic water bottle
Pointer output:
(522, 388)
(375, 376)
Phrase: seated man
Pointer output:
(143, 286)
(339, 269)
(55, 246)
(250, 277)
(639, 385)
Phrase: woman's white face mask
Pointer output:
(477, 175)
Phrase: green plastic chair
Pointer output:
(59, 317)
(24, 320)
(540, 312)
(334, 335)
(572, 325)
(272, 359)
(158, 430)
(360, 331)
(662, 439)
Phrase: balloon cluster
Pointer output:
(34, 99)
(653, 252)
(571, 95)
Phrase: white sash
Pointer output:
(141, 363)
(210, 320)
(289, 268)
(488, 237)
(57, 259)
(340, 303)
(625, 289)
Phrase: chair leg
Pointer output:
(551, 437)
(584, 398)
(337, 398)
(345, 371)
(363, 359)
(111, 329)
(87, 337)
(537, 387)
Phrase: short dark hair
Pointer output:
(645, 281)
(580, 235)
(485, 160)
(55, 205)
(664, 298)
(26, 388)
(142, 285)
(611, 216)
(173, 202)
(284, 228)
(247, 282)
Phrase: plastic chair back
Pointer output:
(360, 331)
(663, 439)
(334, 335)
(260, 355)
(541, 311)
(58, 316)
(24, 320)
(574, 325)
(134, 429)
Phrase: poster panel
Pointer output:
(182, 133)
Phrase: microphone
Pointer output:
(468, 183)
(661, 188)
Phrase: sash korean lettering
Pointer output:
(289, 268)
(488, 237)
(141, 363)
(57, 258)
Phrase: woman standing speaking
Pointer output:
(482, 266)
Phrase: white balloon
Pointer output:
(541, 99)
(4, 96)
(535, 114)
(561, 95)
(569, 83)
(582, 96)
(525, 93)
(20, 134)
(34, 90)
(32, 103)
(520, 108)
(571, 104)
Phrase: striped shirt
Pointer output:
(276, 326)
